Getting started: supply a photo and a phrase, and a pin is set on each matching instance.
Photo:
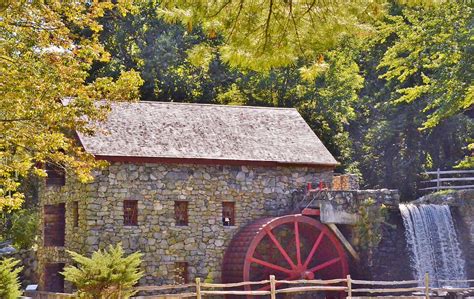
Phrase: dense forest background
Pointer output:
(387, 85)
(360, 103)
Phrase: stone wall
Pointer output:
(74, 236)
(256, 191)
(342, 206)
(390, 260)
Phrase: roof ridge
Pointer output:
(210, 104)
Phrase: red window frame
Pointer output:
(228, 213)
(130, 212)
(181, 274)
(181, 213)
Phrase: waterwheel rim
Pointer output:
(290, 247)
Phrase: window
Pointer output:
(75, 214)
(228, 213)
(53, 280)
(181, 213)
(56, 175)
(181, 272)
(54, 225)
(130, 212)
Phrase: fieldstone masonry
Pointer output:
(256, 191)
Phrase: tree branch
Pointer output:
(241, 6)
(267, 24)
(296, 28)
(220, 9)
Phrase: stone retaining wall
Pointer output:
(390, 260)
(256, 191)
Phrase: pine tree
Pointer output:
(108, 274)
(9, 283)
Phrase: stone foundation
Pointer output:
(256, 192)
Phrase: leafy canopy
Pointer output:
(261, 35)
(108, 274)
(20, 226)
(9, 283)
(432, 61)
(46, 51)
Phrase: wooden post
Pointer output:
(198, 288)
(438, 182)
(272, 287)
(349, 287)
(427, 285)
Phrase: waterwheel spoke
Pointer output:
(280, 248)
(270, 265)
(325, 264)
(313, 249)
(297, 241)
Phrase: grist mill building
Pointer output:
(183, 182)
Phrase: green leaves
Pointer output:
(261, 35)
(368, 227)
(9, 282)
(21, 227)
(432, 58)
(108, 274)
(46, 51)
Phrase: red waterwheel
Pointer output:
(290, 247)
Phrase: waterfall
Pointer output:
(432, 239)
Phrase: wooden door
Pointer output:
(53, 280)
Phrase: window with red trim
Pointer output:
(181, 272)
(56, 175)
(228, 213)
(130, 212)
(181, 213)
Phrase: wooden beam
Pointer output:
(311, 212)
(344, 241)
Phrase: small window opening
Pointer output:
(56, 175)
(228, 213)
(181, 213)
(181, 272)
(130, 212)
(75, 213)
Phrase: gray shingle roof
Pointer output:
(197, 131)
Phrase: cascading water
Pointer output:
(431, 236)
